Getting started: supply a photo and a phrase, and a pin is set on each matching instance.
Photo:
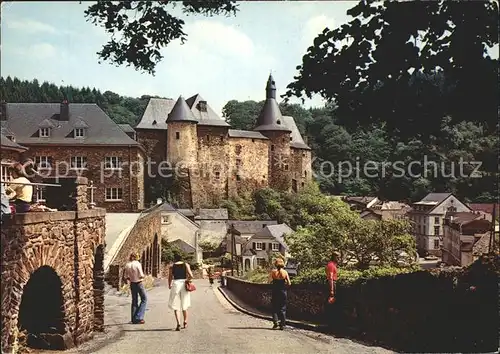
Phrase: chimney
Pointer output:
(64, 114)
(3, 113)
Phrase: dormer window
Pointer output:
(79, 133)
(44, 132)
(11, 137)
(202, 106)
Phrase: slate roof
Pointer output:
(274, 231)
(181, 112)
(186, 212)
(270, 117)
(234, 133)
(250, 226)
(184, 246)
(435, 197)
(158, 109)
(127, 128)
(297, 141)
(485, 207)
(8, 144)
(25, 119)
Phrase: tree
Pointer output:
(140, 29)
(407, 64)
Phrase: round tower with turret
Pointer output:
(182, 137)
(270, 123)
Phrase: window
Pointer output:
(275, 247)
(43, 161)
(202, 106)
(290, 138)
(436, 244)
(264, 225)
(177, 135)
(222, 138)
(272, 147)
(238, 163)
(284, 140)
(217, 175)
(11, 137)
(258, 246)
(253, 140)
(44, 132)
(112, 163)
(114, 194)
(78, 162)
(79, 133)
(437, 230)
(303, 154)
(436, 220)
(165, 219)
(5, 173)
(208, 138)
(40, 194)
(238, 149)
(305, 173)
(303, 184)
(238, 178)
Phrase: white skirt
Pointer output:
(180, 298)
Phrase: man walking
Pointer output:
(332, 275)
(133, 273)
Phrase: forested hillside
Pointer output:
(120, 108)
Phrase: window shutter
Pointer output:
(271, 246)
(254, 245)
(263, 245)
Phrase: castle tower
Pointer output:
(182, 138)
(270, 123)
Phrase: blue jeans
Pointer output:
(278, 303)
(138, 311)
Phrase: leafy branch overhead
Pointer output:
(367, 64)
(140, 29)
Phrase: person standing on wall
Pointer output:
(279, 279)
(179, 274)
(133, 273)
(332, 276)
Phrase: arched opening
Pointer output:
(143, 260)
(41, 313)
(98, 286)
(148, 261)
(247, 265)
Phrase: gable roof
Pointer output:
(276, 232)
(24, 120)
(297, 141)
(485, 207)
(435, 197)
(250, 226)
(8, 144)
(127, 128)
(158, 109)
(183, 246)
(212, 214)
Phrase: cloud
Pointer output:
(30, 26)
(315, 26)
(218, 37)
(37, 51)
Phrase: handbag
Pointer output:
(189, 286)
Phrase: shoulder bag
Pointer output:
(189, 284)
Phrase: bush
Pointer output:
(349, 276)
(258, 275)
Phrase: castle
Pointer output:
(211, 161)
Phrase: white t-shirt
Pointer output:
(133, 271)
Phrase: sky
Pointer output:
(224, 58)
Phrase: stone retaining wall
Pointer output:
(67, 248)
(452, 311)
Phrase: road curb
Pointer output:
(293, 323)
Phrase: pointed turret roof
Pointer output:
(270, 117)
(181, 112)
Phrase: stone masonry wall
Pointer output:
(10, 155)
(280, 163)
(145, 234)
(185, 148)
(450, 311)
(67, 242)
(95, 171)
(301, 166)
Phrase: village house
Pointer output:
(257, 250)
(466, 236)
(386, 211)
(71, 140)
(427, 218)
(218, 162)
(10, 152)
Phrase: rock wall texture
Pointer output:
(130, 179)
(449, 311)
(68, 247)
(144, 239)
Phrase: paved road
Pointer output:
(214, 327)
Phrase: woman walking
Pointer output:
(279, 279)
(180, 272)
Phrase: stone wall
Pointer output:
(129, 179)
(182, 149)
(47, 257)
(144, 239)
(451, 311)
(301, 167)
(279, 161)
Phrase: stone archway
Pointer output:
(41, 312)
(98, 287)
